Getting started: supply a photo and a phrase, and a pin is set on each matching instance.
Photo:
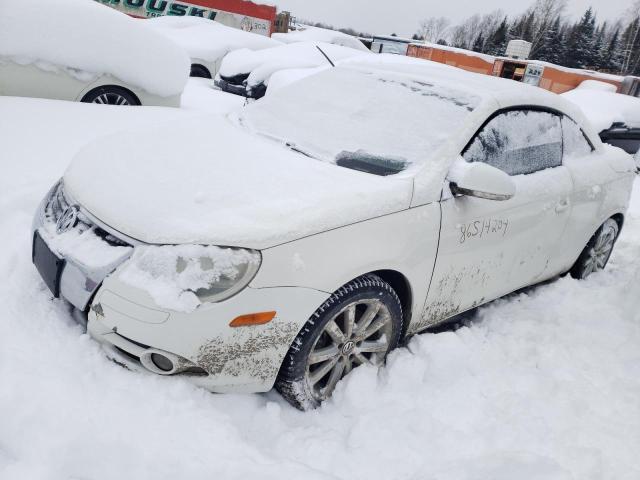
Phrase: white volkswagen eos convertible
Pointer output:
(315, 230)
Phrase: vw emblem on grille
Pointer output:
(68, 220)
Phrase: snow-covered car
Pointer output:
(205, 41)
(80, 50)
(247, 73)
(311, 234)
(306, 33)
(615, 116)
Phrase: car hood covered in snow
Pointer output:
(222, 186)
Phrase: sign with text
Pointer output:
(241, 14)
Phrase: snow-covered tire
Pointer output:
(199, 71)
(596, 254)
(360, 323)
(111, 95)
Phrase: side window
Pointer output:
(519, 142)
(575, 141)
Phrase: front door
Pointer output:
(490, 248)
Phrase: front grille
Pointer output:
(58, 203)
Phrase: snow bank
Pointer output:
(262, 64)
(314, 34)
(173, 274)
(603, 108)
(204, 39)
(92, 38)
(598, 85)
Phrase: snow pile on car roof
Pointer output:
(92, 38)
(263, 63)
(205, 39)
(603, 108)
(315, 34)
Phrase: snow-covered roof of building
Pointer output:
(205, 39)
(93, 38)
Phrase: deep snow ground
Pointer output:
(542, 385)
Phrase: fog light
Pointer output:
(162, 362)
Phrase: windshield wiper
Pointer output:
(370, 163)
(294, 148)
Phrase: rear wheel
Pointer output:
(359, 325)
(199, 71)
(596, 254)
(111, 95)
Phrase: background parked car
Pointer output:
(205, 41)
(90, 53)
(247, 73)
(615, 116)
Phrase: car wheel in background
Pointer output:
(596, 254)
(359, 324)
(111, 95)
(199, 71)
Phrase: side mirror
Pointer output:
(480, 180)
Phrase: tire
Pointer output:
(326, 349)
(111, 95)
(596, 254)
(199, 71)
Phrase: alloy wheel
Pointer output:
(111, 99)
(358, 334)
(601, 251)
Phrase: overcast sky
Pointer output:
(402, 16)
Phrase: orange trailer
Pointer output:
(551, 77)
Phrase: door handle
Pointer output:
(562, 205)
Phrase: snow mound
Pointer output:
(93, 38)
(205, 39)
(263, 63)
(315, 34)
(603, 108)
(597, 85)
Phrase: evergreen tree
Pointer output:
(478, 45)
(581, 41)
(548, 49)
(612, 59)
(496, 44)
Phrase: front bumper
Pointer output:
(132, 328)
(208, 351)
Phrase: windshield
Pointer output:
(357, 118)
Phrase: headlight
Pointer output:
(182, 277)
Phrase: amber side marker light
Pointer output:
(252, 319)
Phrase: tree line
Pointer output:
(587, 43)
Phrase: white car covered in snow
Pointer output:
(79, 50)
(615, 116)
(248, 73)
(205, 41)
(306, 33)
(311, 234)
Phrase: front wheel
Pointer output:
(359, 325)
(596, 254)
